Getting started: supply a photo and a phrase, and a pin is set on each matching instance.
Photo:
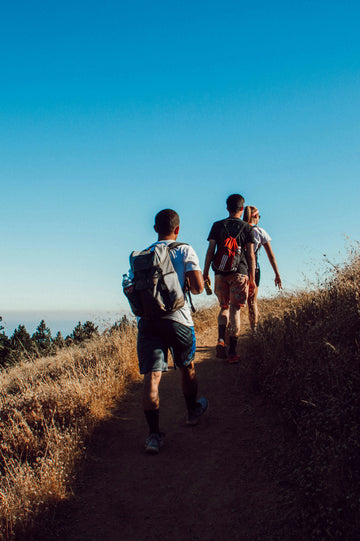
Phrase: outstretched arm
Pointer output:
(208, 259)
(270, 254)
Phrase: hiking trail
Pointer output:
(218, 480)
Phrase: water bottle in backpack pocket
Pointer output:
(128, 285)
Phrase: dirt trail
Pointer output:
(219, 480)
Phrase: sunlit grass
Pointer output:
(305, 359)
(49, 406)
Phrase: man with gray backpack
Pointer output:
(156, 290)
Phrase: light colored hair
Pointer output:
(250, 213)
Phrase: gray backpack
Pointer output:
(156, 289)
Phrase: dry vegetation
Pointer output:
(305, 359)
(49, 407)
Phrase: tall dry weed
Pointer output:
(306, 359)
(205, 318)
(49, 407)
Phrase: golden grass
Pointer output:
(305, 357)
(49, 407)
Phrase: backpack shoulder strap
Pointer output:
(224, 226)
(175, 244)
(241, 230)
(239, 233)
(227, 231)
(259, 245)
(186, 290)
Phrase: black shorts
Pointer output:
(257, 276)
(156, 337)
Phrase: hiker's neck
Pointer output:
(173, 236)
(236, 214)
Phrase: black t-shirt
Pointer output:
(233, 226)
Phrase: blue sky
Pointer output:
(112, 111)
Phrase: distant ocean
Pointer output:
(66, 320)
(63, 321)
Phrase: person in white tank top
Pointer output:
(262, 238)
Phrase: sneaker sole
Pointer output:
(152, 450)
(194, 422)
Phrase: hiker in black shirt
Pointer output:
(233, 277)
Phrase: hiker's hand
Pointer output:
(252, 287)
(207, 279)
(278, 282)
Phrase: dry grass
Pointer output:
(49, 407)
(206, 318)
(306, 359)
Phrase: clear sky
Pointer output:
(113, 110)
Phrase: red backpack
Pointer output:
(228, 253)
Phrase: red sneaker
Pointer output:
(234, 359)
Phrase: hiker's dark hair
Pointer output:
(166, 220)
(235, 202)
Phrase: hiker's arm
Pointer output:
(195, 281)
(270, 254)
(250, 257)
(208, 259)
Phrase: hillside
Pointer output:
(218, 480)
(275, 458)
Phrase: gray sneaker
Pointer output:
(195, 414)
(153, 444)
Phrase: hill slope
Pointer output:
(219, 480)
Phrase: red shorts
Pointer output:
(231, 289)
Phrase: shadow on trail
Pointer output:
(214, 481)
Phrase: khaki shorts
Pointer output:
(231, 289)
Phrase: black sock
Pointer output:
(190, 400)
(152, 418)
(233, 343)
(222, 330)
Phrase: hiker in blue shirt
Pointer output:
(174, 331)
